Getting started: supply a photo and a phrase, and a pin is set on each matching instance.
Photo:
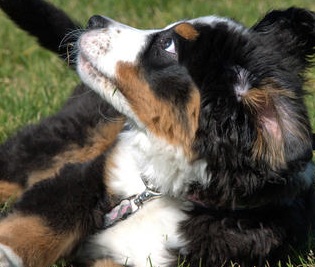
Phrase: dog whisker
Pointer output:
(109, 118)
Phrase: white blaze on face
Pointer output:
(100, 50)
(117, 43)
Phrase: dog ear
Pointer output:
(283, 138)
(293, 29)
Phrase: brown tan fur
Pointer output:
(33, 241)
(98, 141)
(176, 126)
(273, 120)
(269, 142)
(187, 31)
(9, 190)
(108, 175)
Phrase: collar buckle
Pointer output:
(146, 196)
(129, 206)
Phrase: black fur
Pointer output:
(231, 124)
(65, 194)
(248, 237)
(41, 19)
(293, 29)
(34, 147)
(256, 209)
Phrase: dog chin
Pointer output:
(94, 78)
(105, 87)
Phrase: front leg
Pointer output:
(82, 130)
(53, 216)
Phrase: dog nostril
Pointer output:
(97, 22)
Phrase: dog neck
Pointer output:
(144, 168)
(142, 160)
(129, 206)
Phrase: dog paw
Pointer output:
(8, 258)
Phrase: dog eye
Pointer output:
(169, 46)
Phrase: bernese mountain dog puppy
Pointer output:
(185, 146)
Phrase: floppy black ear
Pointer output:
(293, 29)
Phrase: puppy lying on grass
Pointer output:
(207, 158)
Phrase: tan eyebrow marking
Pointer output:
(187, 31)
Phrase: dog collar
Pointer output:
(130, 205)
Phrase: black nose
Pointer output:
(97, 22)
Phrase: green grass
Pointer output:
(34, 82)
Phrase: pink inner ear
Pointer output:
(280, 127)
(269, 145)
(272, 127)
(271, 124)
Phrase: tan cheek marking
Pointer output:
(161, 117)
(99, 140)
(35, 243)
(187, 31)
(9, 191)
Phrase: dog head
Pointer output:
(229, 97)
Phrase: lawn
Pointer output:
(34, 82)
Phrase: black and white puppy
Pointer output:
(215, 114)
(213, 164)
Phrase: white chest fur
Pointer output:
(164, 166)
(144, 239)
